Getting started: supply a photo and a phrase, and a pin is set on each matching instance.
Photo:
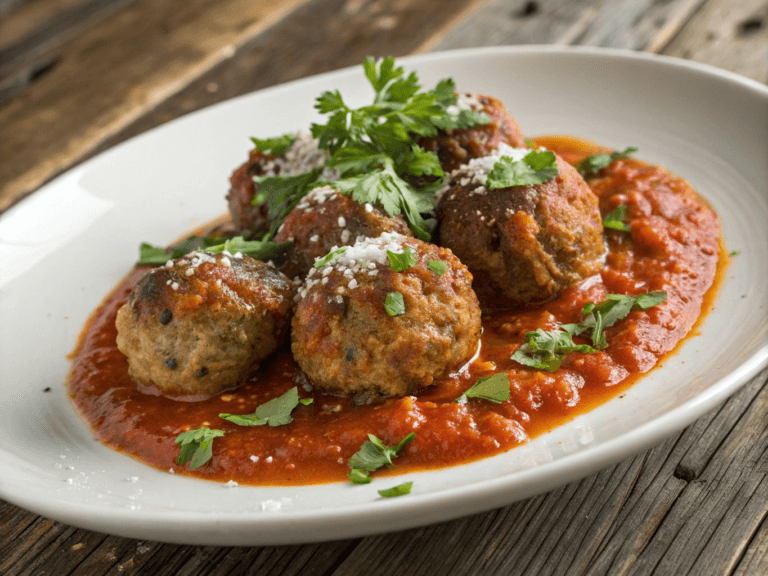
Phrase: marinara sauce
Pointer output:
(674, 245)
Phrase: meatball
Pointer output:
(365, 330)
(325, 218)
(301, 156)
(522, 243)
(202, 323)
(459, 146)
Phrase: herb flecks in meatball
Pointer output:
(201, 324)
(523, 243)
(324, 219)
(349, 340)
(458, 146)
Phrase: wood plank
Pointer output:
(755, 559)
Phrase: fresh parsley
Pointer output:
(331, 257)
(394, 304)
(545, 349)
(259, 249)
(276, 412)
(616, 219)
(492, 388)
(274, 146)
(591, 165)
(536, 167)
(437, 266)
(399, 490)
(196, 446)
(374, 454)
(403, 260)
(283, 193)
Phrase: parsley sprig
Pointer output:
(196, 446)
(274, 146)
(545, 349)
(591, 165)
(374, 454)
(259, 249)
(276, 412)
(537, 167)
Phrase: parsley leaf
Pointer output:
(437, 266)
(536, 168)
(374, 454)
(403, 260)
(149, 254)
(259, 249)
(544, 349)
(615, 307)
(283, 193)
(331, 257)
(274, 146)
(196, 446)
(394, 304)
(492, 388)
(593, 164)
(399, 490)
(276, 412)
(616, 219)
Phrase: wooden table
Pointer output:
(78, 76)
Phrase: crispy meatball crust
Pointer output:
(325, 218)
(303, 155)
(346, 342)
(459, 146)
(202, 323)
(524, 243)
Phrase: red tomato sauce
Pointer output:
(674, 245)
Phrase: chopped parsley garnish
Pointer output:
(536, 167)
(274, 146)
(544, 349)
(276, 412)
(399, 490)
(403, 260)
(259, 249)
(437, 266)
(374, 454)
(616, 219)
(593, 164)
(331, 257)
(394, 304)
(492, 388)
(196, 446)
(735, 253)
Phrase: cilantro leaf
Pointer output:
(403, 260)
(331, 257)
(544, 349)
(536, 168)
(593, 164)
(274, 146)
(616, 219)
(492, 388)
(276, 412)
(399, 490)
(196, 446)
(374, 454)
(394, 304)
(437, 266)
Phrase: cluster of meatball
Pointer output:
(373, 312)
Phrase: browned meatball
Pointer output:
(301, 156)
(326, 218)
(523, 243)
(202, 323)
(459, 146)
(349, 339)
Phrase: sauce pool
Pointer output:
(674, 245)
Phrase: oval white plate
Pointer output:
(62, 249)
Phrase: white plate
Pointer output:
(62, 250)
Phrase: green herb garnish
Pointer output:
(196, 446)
(259, 249)
(399, 490)
(276, 412)
(394, 304)
(283, 193)
(403, 260)
(536, 167)
(331, 257)
(734, 253)
(374, 454)
(593, 164)
(274, 146)
(492, 388)
(616, 219)
(544, 349)
(615, 307)
(437, 266)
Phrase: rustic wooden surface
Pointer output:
(78, 76)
